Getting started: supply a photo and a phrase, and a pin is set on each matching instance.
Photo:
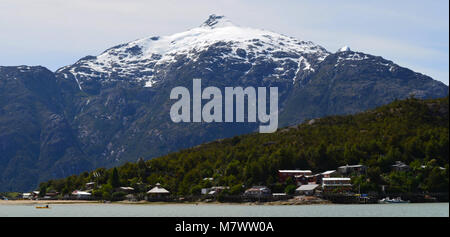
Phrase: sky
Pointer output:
(55, 33)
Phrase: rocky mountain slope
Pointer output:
(108, 109)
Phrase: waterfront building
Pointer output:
(336, 184)
(258, 191)
(158, 191)
(307, 189)
(51, 195)
(27, 196)
(285, 174)
(81, 194)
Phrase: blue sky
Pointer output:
(55, 33)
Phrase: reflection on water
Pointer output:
(203, 210)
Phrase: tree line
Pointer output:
(413, 131)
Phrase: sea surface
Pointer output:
(216, 210)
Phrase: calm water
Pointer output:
(180, 210)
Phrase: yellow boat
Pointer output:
(43, 207)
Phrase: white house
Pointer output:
(27, 195)
(81, 194)
(158, 191)
(307, 189)
(343, 184)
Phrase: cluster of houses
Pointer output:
(35, 195)
(307, 184)
(156, 192)
(328, 181)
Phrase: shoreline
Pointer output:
(88, 202)
(44, 202)
(74, 202)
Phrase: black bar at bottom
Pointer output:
(226, 226)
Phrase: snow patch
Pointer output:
(351, 57)
(137, 60)
(344, 49)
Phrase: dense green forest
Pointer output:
(413, 131)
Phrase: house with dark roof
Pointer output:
(400, 166)
(352, 169)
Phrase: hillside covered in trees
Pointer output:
(413, 131)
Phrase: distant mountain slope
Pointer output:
(413, 131)
(114, 107)
(348, 82)
(36, 139)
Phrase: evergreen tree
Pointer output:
(114, 179)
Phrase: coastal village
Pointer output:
(308, 184)
(307, 163)
(310, 188)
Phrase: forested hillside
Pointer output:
(413, 131)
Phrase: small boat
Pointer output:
(392, 201)
(43, 207)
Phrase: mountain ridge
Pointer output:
(107, 117)
(143, 58)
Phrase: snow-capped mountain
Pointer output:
(112, 108)
(145, 60)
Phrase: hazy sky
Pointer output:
(55, 33)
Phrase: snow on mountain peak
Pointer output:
(141, 60)
(215, 21)
(344, 49)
